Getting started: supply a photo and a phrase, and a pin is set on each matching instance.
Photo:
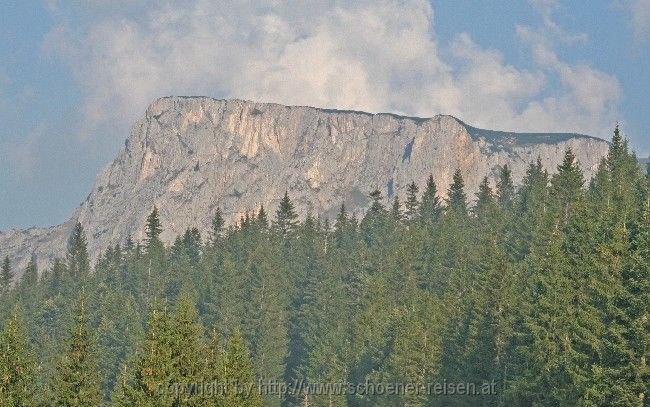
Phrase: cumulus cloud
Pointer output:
(380, 55)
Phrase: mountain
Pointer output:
(190, 155)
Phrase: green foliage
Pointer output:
(153, 230)
(77, 261)
(77, 381)
(412, 203)
(541, 292)
(149, 382)
(286, 218)
(505, 188)
(456, 196)
(17, 364)
(238, 371)
(430, 202)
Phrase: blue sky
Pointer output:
(75, 75)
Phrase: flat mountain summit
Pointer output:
(190, 155)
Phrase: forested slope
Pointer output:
(538, 295)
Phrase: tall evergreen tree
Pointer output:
(505, 188)
(566, 185)
(396, 210)
(411, 205)
(286, 218)
(151, 381)
(77, 260)
(218, 223)
(484, 199)
(262, 218)
(238, 373)
(153, 230)
(529, 224)
(456, 197)
(186, 337)
(29, 279)
(17, 364)
(374, 226)
(77, 380)
(430, 205)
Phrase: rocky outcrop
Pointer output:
(190, 155)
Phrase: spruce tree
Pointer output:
(151, 384)
(484, 199)
(239, 375)
(186, 344)
(636, 282)
(77, 380)
(344, 229)
(262, 218)
(456, 197)
(77, 260)
(396, 210)
(17, 364)
(153, 229)
(286, 218)
(213, 369)
(430, 205)
(566, 185)
(218, 223)
(530, 222)
(374, 226)
(29, 279)
(411, 205)
(505, 188)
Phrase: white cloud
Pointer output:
(380, 55)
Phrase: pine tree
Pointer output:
(77, 260)
(6, 276)
(430, 205)
(119, 329)
(566, 185)
(396, 210)
(374, 226)
(456, 197)
(262, 218)
(213, 369)
(29, 278)
(17, 364)
(151, 382)
(153, 230)
(239, 376)
(218, 223)
(485, 200)
(412, 203)
(505, 188)
(545, 352)
(286, 218)
(186, 337)
(529, 224)
(77, 381)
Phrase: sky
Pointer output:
(75, 74)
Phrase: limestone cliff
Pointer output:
(190, 155)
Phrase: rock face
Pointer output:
(190, 155)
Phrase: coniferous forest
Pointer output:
(535, 295)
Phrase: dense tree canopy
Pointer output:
(537, 295)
